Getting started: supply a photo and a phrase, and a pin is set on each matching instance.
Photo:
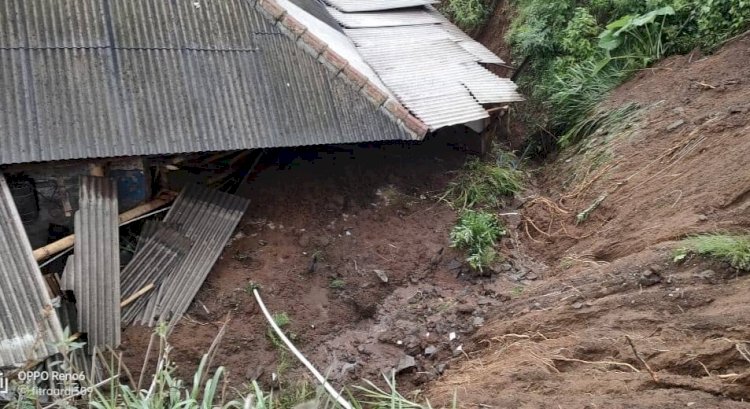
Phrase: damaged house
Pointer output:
(103, 99)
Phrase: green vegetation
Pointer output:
(337, 284)
(579, 50)
(734, 249)
(477, 233)
(483, 184)
(609, 121)
(467, 14)
(163, 389)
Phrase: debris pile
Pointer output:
(94, 298)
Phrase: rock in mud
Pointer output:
(405, 363)
(454, 264)
(707, 275)
(649, 277)
(381, 275)
(466, 308)
(430, 350)
(676, 124)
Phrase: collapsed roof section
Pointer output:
(423, 60)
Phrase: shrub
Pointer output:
(719, 20)
(483, 184)
(477, 233)
(569, 73)
(467, 14)
(733, 249)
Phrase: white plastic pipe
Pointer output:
(330, 389)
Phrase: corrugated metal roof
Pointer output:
(29, 326)
(96, 270)
(208, 218)
(372, 5)
(100, 78)
(162, 251)
(436, 78)
(384, 19)
(429, 64)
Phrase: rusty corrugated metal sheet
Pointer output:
(96, 270)
(102, 78)
(162, 252)
(208, 218)
(29, 326)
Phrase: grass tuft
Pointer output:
(477, 233)
(483, 184)
(605, 120)
(734, 249)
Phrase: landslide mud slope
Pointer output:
(681, 167)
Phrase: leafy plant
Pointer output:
(638, 35)
(734, 249)
(483, 184)
(477, 233)
(577, 51)
(718, 20)
(467, 14)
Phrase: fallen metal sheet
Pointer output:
(29, 326)
(374, 5)
(208, 218)
(147, 231)
(95, 281)
(433, 69)
(157, 258)
(432, 75)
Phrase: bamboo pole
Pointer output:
(137, 294)
(66, 242)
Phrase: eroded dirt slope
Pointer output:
(681, 167)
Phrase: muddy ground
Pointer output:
(592, 314)
(351, 243)
(612, 300)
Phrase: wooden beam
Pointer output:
(66, 242)
(137, 295)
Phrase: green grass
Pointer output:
(477, 233)
(161, 388)
(337, 284)
(483, 184)
(467, 14)
(733, 249)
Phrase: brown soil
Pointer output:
(681, 168)
(321, 220)
(549, 327)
